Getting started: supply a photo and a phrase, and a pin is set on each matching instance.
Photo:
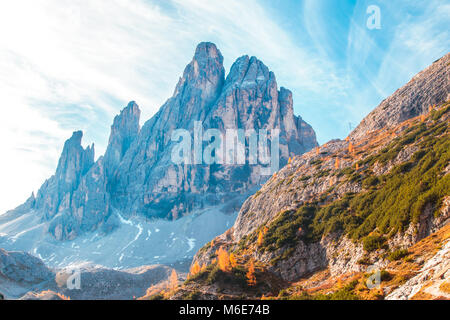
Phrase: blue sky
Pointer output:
(69, 65)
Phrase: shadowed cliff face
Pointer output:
(137, 175)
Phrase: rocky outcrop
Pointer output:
(429, 279)
(73, 164)
(86, 209)
(429, 87)
(124, 131)
(22, 268)
(26, 277)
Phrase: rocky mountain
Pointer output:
(137, 182)
(23, 276)
(427, 88)
(147, 181)
(20, 272)
(346, 210)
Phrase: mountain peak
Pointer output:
(207, 50)
(124, 130)
(75, 160)
(249, 71)
(76, 137)
(202, 78)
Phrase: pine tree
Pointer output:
(224, 260)
(422, 118)
(251, 279)
(194, 269)
(233, 261)
(337, 164)
(260, 238)
(173, 280)
(350, 147)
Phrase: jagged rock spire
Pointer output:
(124, 131)
(73, 163)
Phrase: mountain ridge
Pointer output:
(317, 213)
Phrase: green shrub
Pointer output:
(370, 181)
(192, 295)
(157, 296)
(346, 293)
(374, 242)
(235, 277)
(364, 261)
(385, 276)
(322, 173)
(316, 162)
(397, 254)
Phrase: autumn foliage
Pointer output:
(223, 259)
(195, 268)
(337, 163)
(63, 297)
(233, 261)
(251, 278)
(173, 280)
(260, 238)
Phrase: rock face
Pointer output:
(72, 166)
(124, 131)
(247, 99)
(25, 276)
(137, 175)
(22, 268)
(434, 273)
(427, 88)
